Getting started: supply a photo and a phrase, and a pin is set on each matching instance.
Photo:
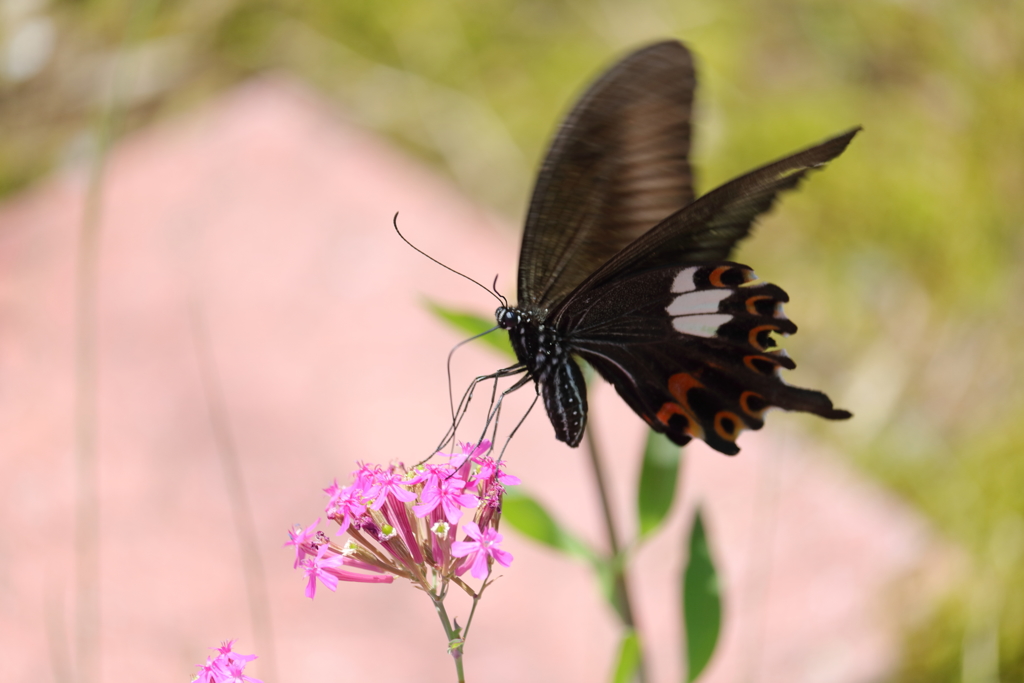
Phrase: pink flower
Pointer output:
(234, 672)
(448, 493)
(469, 452)
(480, 550)
(390, 535)
(429, 473)
(391, 483)
(491, 474)
(329, 570)
(318, 568)
(208, 672)
(302, 539)
(226, 667)
(349, 504)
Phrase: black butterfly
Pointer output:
(621, 267)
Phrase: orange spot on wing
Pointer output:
(752, 337)
(671, 408)
(715, 278)
(745, 404)
(751, 363)
(678, 385)
(723, 429)
(668, 409)
(752, 303)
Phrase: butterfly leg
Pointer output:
(495, 411)
(518, 425)
(460, 411)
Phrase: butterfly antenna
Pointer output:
(501, 297)
(394, 222)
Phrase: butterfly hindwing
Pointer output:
(691, 350)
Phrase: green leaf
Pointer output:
(629, 658)
(472, 324)
(529, 518)
(658, 478)
(702, 601)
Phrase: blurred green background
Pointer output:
(907, 255)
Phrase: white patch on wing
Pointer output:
(683, 281)
(704, 301)
(700, 325)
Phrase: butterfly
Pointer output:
(622, 267)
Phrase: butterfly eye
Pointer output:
(507, 319)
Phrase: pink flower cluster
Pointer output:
(225, 667)
(404, 523)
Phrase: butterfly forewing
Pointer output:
(617, 166)
(708, 229)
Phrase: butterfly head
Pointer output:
(508, 318)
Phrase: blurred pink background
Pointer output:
(273, 215)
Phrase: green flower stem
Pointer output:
(455, 640)
(476, 601)
(620, 583)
